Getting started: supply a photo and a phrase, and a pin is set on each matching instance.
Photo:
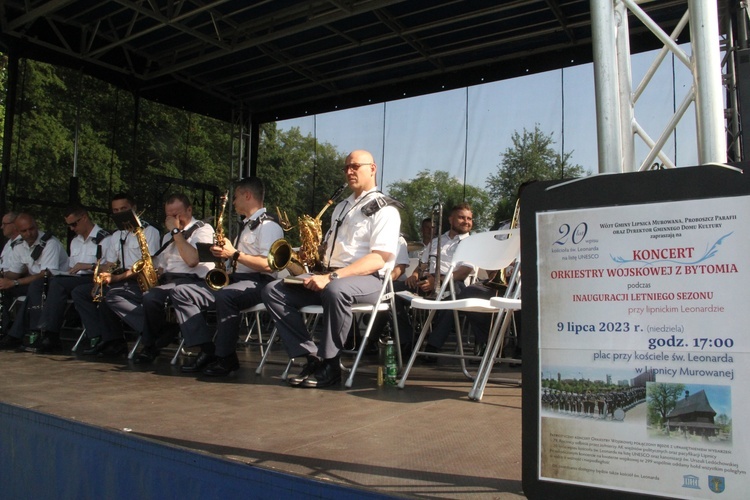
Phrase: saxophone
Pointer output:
(144, 269)
(282, 256)
(217, 278)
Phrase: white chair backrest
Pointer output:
(490, 250)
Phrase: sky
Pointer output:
(465, 131)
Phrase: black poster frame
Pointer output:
(604, 190)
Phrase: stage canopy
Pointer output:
(284, 59)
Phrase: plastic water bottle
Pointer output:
(391, 367)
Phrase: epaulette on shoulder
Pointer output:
(15, 242)
(100, 236)
(372, 207)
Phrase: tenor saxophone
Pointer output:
(144, 270)
(217, 278)
(281, 255)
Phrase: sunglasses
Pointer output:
(354, 166)
(73, 224)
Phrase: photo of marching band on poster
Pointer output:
(643, 347)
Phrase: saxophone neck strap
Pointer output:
(37, 252)
(186, 234)
(100, 236)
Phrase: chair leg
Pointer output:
(257, 325)
(177, 352)
(131, 354)
(415, 349)
(263, 359)
(80, 339)
(360, 351)
(494, 346)
(285, 375)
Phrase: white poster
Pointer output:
(644, 313)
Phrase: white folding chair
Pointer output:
(257, 326)
(490, 250)
(385, 302)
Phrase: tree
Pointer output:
(299, 174)
(531, 157)
(662, 398)
(421, 193)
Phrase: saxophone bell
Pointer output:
(281, 255)
(217, 278)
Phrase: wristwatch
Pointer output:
(333, 276)
(175, 231)
(236, 256)
(15, 283)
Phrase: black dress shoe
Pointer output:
(113, 348)
(223, 366)
(10, 343)
(328, 374)
(95, 348)
(307, 371)
(147, 354)
(202, 361)
(45, 344)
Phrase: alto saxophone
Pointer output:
(282, 256)
(217, 278)
(144, 270)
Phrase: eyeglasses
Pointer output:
(354, 166)
(73, 224)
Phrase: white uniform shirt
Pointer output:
(259, 240)
(53, 257)
(6, 258)
(447, 249)
(170, 259)
(84, 249)
(124, 248)
(402, 258)
(358, 234)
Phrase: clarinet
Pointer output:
(45, 289)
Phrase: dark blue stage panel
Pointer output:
(43, 456)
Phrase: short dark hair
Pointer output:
(461, 206)
(254, 185)
(426, 220)
(182, 198)
(125, 196)
(77, 210)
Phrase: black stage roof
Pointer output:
(282, 59)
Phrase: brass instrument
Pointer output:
(281, 255)
(217, 278)
(144, 270)
(500, 280)
(437, 212)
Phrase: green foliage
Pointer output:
(662, 398)
(421, 193)
(299, 175)
(112, 153)
(532, 157)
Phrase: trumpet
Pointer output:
(218, 278)
(97, 292)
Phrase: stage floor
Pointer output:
(428, 440)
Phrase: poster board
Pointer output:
(635, 335)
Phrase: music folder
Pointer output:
(204, 252)
(297, 280)
(126, 221)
